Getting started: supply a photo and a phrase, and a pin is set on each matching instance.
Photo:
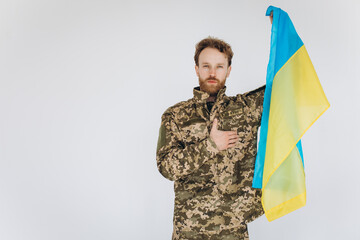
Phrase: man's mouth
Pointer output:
(212, 81)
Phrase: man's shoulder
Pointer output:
(249, 97)
(180, 106)
(255, 91)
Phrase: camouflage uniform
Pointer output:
(213, 194)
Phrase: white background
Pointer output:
(83, 85)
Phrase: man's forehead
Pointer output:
(211, 55)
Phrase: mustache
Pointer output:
(212, 78)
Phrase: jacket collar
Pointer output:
(201, 96)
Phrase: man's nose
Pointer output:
(213, 72)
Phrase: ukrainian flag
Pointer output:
(293, 101)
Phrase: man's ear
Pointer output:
(228, 72)
(197, 70)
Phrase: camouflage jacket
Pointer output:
(213, 193)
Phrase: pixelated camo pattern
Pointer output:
(213, 194)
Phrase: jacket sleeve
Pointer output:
(176, 159)
(254, 100)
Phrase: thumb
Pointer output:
(215, 123)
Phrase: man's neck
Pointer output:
(212, 98)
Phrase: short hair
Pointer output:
(216, 43)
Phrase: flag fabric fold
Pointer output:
(293, 101)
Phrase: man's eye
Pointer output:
(205, 66)
(220, 66)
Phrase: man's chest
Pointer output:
(232, 168)
(195, 125)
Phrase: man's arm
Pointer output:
(176, 159)
(254, 100)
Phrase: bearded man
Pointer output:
(207, 145)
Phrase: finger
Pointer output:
(233, 138)
(232, 132)
(233, 141)
(232, 135)
(231, 145)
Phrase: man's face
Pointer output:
(212, 71)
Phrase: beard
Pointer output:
(211, 88)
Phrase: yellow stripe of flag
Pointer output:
(297, 101)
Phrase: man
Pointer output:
(207, 145)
